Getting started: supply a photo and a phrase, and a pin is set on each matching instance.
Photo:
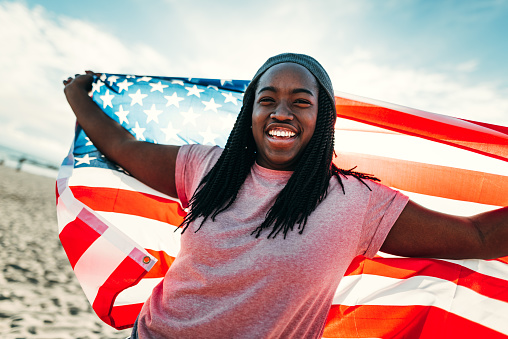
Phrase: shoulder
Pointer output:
(198, 155)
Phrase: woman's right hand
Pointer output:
(80, 81)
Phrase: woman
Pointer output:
(273, 224)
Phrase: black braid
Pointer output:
(305, 189)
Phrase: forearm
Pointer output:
(106, 134)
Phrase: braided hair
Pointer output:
(305, 189)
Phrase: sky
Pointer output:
(447, 57)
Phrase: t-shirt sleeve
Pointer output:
(192, 163)
(383, 209)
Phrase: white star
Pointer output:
(171, 133)
(106, 99)
(194, 90)
(211, 105)
(208, 136)
(122, 115)
(137, 98)
(139, 132)
(158, 87)
(124, 86)
(230, 98)
(212, 87)
(130, 76)
(96, 86)
(103, 77)
(229, 121)
(177, 82)
(144, 79)
(88, 143)
(85, 160)
(174, 99)
(112, 79)
(223, 81)
(189, 117)
(152, 114)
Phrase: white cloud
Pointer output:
(422, 89)
(40, 50)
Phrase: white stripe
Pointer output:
(103, 177)
(96, 265)
(149, 233)
(492, 268)
(138, 293)
(426, 291)
(449, 206)
(411, 148)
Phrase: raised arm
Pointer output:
(420, 232)
(151, 164)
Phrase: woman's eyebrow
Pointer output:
(295, 91)
(302, 90)
(268, 88)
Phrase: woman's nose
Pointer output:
(282, 112)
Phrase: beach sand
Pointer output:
(39, 295)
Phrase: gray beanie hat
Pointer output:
(306, 61)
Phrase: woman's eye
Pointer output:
(266, 100)
(302, 102)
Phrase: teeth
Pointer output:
(281, 133)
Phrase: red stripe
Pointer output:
(161, 267)
(76, 237)
(127, 274)
(469, 138)
(498, 128)
(403, 268)
(423, 322)
(130, 202)
(125, 315)
(447, 182)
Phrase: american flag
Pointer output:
(119, 234)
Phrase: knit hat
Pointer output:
(306, 61)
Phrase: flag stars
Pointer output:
(230, 98)
(194, 90)
(158, 87)
(225, 81)
(106, 99)
(211, 105)
(124, 86)
(189, 117)
(122, 115)
(152, 114)
(112, 79)
(229, 121)
(145, 78)
(170, 132)
(177, 82)
(208, 136)
(173, 99)
(137, 98)
(85, 160)
(138, 131)
(88, 142)
(96, 86)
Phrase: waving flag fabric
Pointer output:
(120, 235)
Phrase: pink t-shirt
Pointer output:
(225, 283)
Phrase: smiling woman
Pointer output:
(241, 270)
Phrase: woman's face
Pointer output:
(284, 115)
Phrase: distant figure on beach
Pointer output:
(20, 163)
(273, 224)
